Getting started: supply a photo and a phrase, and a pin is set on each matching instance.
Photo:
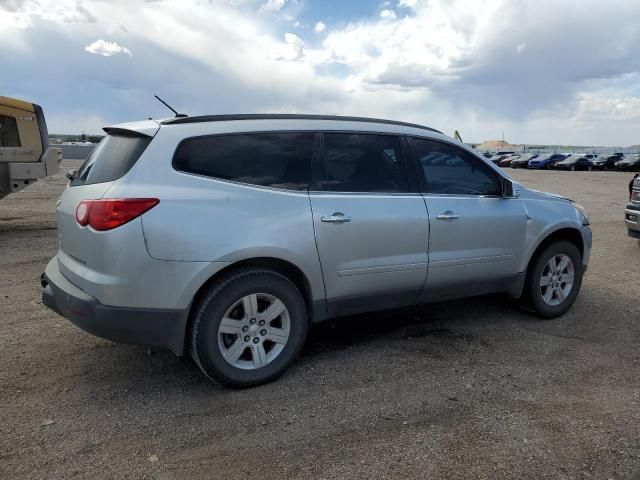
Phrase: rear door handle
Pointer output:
(448, 215)
(337, 217)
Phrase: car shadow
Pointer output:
(445, 319)
(141, 371)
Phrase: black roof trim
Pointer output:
(287, 116)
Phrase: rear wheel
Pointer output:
(554, 279)
(248, 328)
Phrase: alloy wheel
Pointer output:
(557, 279)
(254, 331)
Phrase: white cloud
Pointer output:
(319, 27)
(22, 13)
(388, 14)
(273, 5)
(106, 49)
(482, 66)
(293, 49)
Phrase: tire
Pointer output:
(242, 298)
(534, 293)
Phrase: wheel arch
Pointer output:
(569, 234)
(283, 267)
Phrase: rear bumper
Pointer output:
(149, 327)
(632, 219)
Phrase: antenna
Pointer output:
(178, 115)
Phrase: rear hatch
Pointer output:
(115, 155)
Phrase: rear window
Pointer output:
(9, 132)
(276, 160)
(111, 159)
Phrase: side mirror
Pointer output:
(507, 189)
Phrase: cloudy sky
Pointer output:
(541, 71)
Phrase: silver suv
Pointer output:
(228, 235)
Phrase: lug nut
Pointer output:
(261, 322)
(256, 339)
(253, 320)
(246, 338)
(263, 332)
(245, 328)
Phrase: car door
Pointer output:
(476, 236)
(371, 228)
(583, 163)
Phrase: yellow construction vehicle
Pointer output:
(25, 155)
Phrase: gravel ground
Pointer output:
(463, 389)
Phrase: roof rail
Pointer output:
(287, 116)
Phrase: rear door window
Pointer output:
(9, 136)
(111, 159)
(357, 162)
(449, 170)
(276, 160)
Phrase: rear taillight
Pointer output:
(110, 213)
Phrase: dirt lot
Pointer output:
(464, 389)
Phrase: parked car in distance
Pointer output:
(226, 236)
(546, 161)
(505, 162)
(487, 154)
(523, 161)
(629, 164)
(496, 159)
(605, 162)
(574, 163)
(500, 156)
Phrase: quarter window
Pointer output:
(450, 170)
(354, 162)
(276, 160)
(111, 159)
(9, 132)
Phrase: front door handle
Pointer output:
(337, 217)
(448, 215)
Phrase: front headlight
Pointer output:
(583, 213)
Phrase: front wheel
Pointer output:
(248, 328)
(554, 279)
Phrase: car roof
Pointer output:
(287, 116)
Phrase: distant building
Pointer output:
(495, 146)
